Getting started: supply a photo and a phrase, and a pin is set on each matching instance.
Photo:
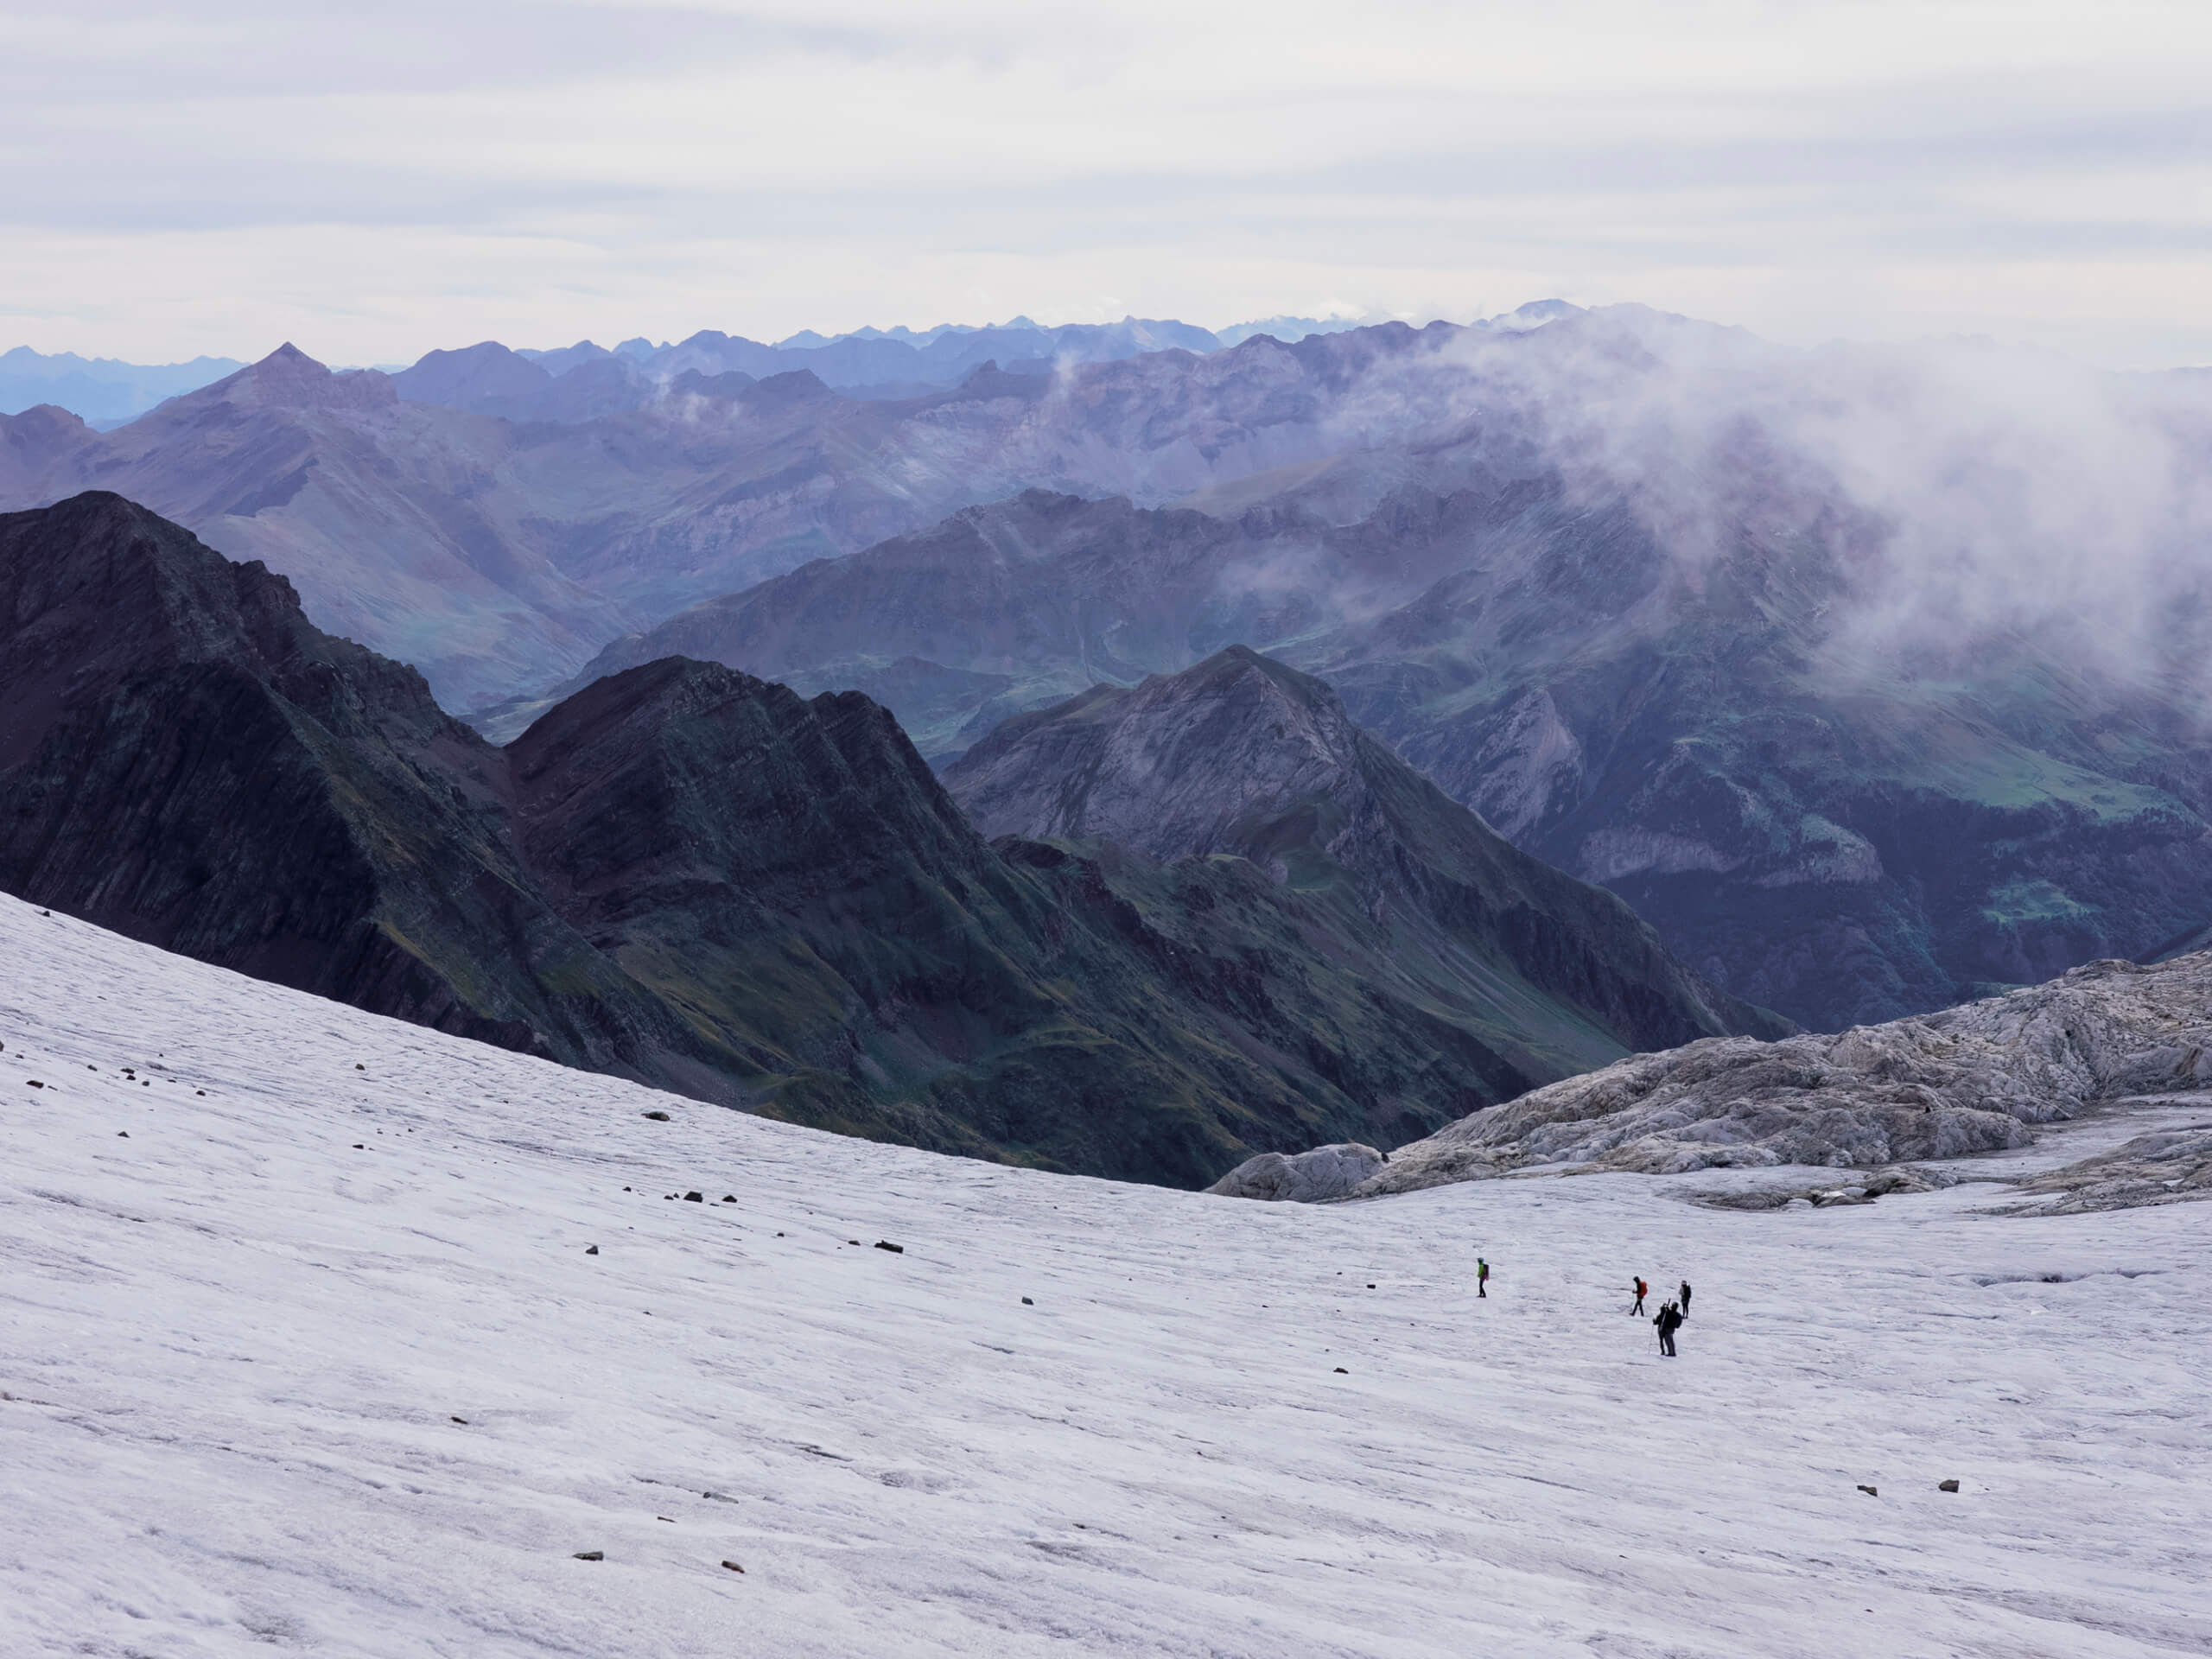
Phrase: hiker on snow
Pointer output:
(1670, 1320)
(1686, 1299)
(1640, 1288)
(1481, 1277)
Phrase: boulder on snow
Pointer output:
(1305, 1178)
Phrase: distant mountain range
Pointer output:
(1872, 677)
(686, 875)
(584, 381)
(1834, 794)
(99, 390)
(498, 554)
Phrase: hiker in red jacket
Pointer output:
(1640, 1288)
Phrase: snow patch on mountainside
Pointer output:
(303, 1349)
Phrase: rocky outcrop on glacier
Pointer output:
(1969, 1079)
(1302, 1177)
(2165, 1167)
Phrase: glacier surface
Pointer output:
(302, 1350)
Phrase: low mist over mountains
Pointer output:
(1873, 678)
(688, 875)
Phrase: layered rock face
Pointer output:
(689, 875)
(1968, 1079)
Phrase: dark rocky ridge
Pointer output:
(1245, 756)
(684, 874)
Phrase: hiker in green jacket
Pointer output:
(1481, 1277)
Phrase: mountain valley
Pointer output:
(685, 875)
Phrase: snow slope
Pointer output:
(234, 1346)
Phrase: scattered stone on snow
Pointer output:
(1342, 1372)
(657, 1117)
(591, 1556)
(35, 1083)
(1869, 1492)
(695, 1198)
(886, 1244)
(463, 1421)
(733, 1566)
(123, 1135)
(591, 1249)
(1025, 1302)
(1947, 1485)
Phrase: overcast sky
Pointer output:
(371, 181)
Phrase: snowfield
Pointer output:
(302, 1351)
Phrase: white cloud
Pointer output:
(376, 181)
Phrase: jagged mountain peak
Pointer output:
(1242, 755)
(289, 379)
(98, 589)
(1180, 764)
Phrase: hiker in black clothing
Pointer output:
(1670, 1320)
(1640, 1288)
(1686, 1299)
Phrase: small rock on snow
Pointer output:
(1869, 1492)
(591, 1249)
(695, 1198)
(886, 1244)
(1947, 1485)
(733, 1566)
(591, 1554)
(657, 1117)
